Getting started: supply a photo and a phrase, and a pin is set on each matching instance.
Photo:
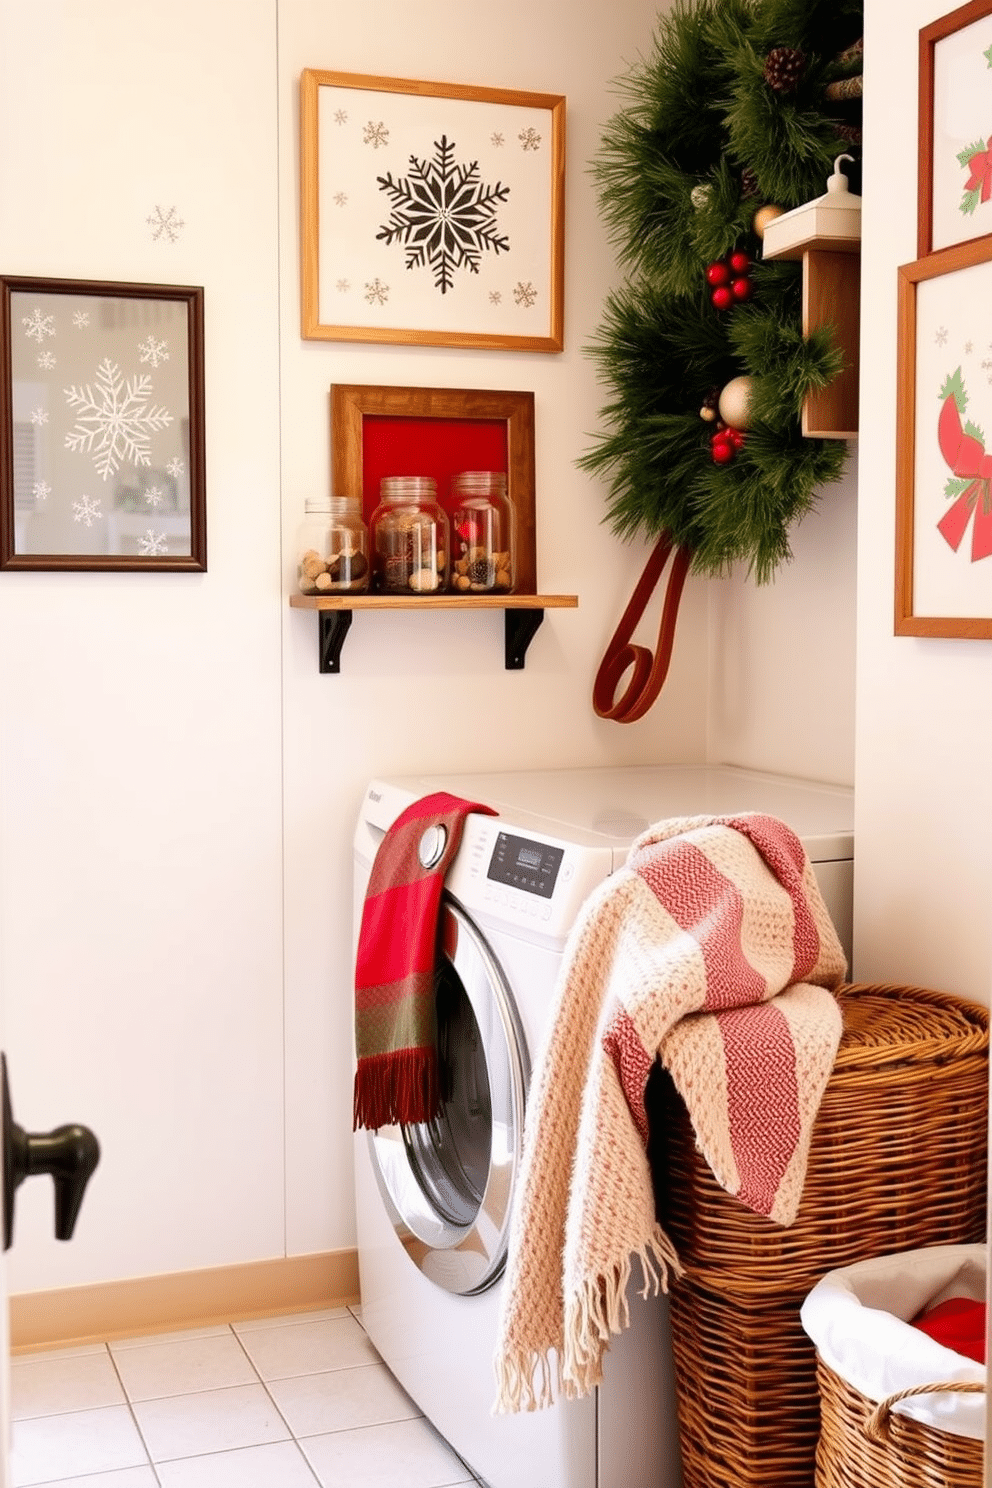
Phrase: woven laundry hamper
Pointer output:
(873, 1370)
(897, 1162)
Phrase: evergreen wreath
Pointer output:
(742, 103)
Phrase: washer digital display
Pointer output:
(525, 864)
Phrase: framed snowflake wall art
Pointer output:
(955, 113)
(101, 413)
(432, 214)
(944, 454)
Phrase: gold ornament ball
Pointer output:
(735, 402)
(763, 216)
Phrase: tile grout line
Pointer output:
(275, 1406)
(130, 1406)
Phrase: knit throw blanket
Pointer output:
(396, 964)
(717, 917)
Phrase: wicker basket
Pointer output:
(898, 1162)
(867, 1446)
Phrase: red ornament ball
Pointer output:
(722, 450)
(739, 262)
(742, 288)
(722, 297)
(718, 273)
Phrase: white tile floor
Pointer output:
(286, 1402)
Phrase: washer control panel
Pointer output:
(522, 863)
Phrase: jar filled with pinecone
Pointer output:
(482, 522)
(409, 535)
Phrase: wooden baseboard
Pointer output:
(182, 1299)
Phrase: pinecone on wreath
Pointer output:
(784, 67)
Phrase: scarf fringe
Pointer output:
(601, 1311)
(399, 1088)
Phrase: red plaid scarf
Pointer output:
(395, 972)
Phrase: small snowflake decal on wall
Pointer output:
(175, 467)
(165, 223)
(524, 294)
(377, 293)
(340, 116)
(46, 360)
(86, 510)
(375, 135)
(38, 326)
(444, 215)
(940, 336)
(42, 490)
(39, 416)
(154, 496)
(497, 140)
(529, 139)
(343, 286)
(495, 297)
(81, 319)
(340, 198)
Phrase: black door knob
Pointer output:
(69, 1153)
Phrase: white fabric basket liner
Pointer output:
(858, 1318)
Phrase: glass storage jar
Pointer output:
(333, 547)
(482, 561)
(409, 535)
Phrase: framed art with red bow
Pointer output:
(955, 154)
(943, 454)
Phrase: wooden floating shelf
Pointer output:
(523, 616)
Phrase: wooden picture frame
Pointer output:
(955, 128)
(437, 431)
(432, 214)
(101, 426)
(943, 577)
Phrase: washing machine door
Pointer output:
(447, 1184)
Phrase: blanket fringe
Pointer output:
(400, 1087)
(601, 1310)
(524, 1377)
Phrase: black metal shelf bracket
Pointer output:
(334, 626)
(521, 627)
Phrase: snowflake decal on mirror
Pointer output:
(443, 215)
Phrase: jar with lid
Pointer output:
(333, 547)
(482, 562)
(410, 537)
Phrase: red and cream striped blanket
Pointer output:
(713, 949)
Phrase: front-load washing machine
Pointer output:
(433, 1201)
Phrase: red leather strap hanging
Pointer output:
(649, 670)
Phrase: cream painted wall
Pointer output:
(178, 783)
(924, 707)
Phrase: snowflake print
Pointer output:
(340, 198)
(940, 336)
(153, 351)
(165, 224)
(987, 369)
(86, 510)
(39, 416)
(175, 467)
(495, 297)
(42, 490)
(524, 294)
(154, 496)
(340, 116)
(81, 319)
(342, 286)
(375, 134)
(444, 215)
(115, 419)
(377, 293)
(46, 360)
(497, 140)
(969, 347)
(529, 139)
(38, 326)
(152, 544)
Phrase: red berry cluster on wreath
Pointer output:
(725, 443)
(729, 280)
